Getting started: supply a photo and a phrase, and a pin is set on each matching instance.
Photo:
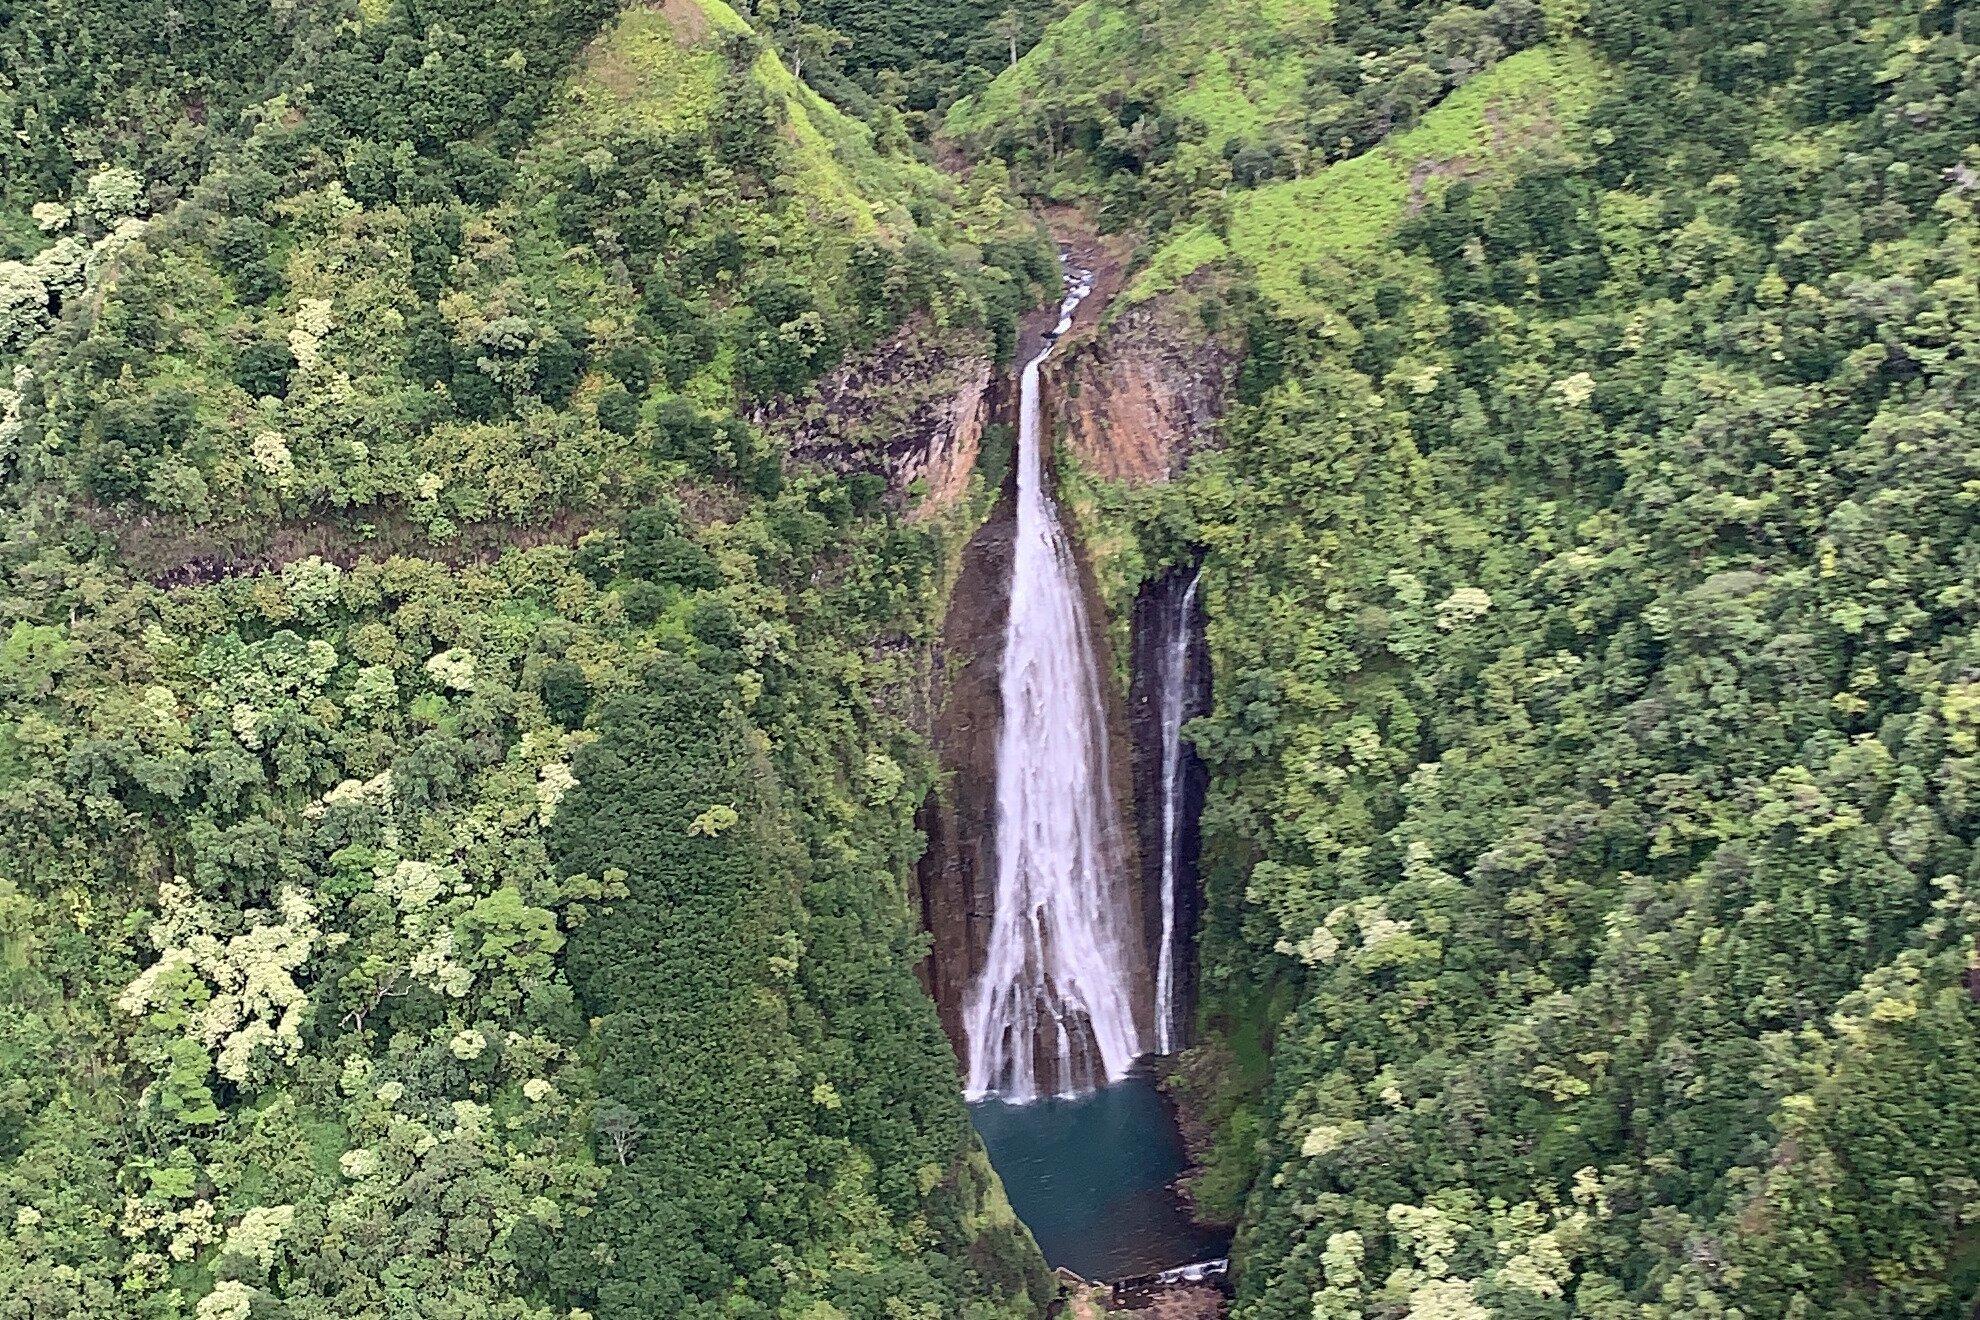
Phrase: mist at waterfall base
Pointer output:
(1093, 1177)
(1086, 1143)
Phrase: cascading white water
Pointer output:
(1053, 1009)
(1175, 695)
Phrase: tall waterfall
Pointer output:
(1053, 1009)
(1174, 699)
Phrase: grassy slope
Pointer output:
(662, 69)
(1084, 45)
(643, 74)
(1528, 102)
(1231, 65)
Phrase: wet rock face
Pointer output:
(955, 882)
(1132, 399)
(1136, 397)
(912, 410)
(1158, 616)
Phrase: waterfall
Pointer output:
(1053, 1008)
(1174, 699)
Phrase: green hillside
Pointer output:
(459, 773)
(1234, 70)
(1588, 560)
(1526, 107)
(1155, 112)
(683, 220)
(456, 801)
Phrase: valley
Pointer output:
(834, 661)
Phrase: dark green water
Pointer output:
(1092, 1177)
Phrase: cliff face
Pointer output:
(911, 409)
(1138, 395)
(1128, 397)
(955, 882)
(1159, 616)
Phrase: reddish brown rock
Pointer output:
(911, 409)
(1136, 396)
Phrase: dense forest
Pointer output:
(460, 749)
(1591, 556)
(457, 772)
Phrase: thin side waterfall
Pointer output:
(1053, 1009)
(1175, 696)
